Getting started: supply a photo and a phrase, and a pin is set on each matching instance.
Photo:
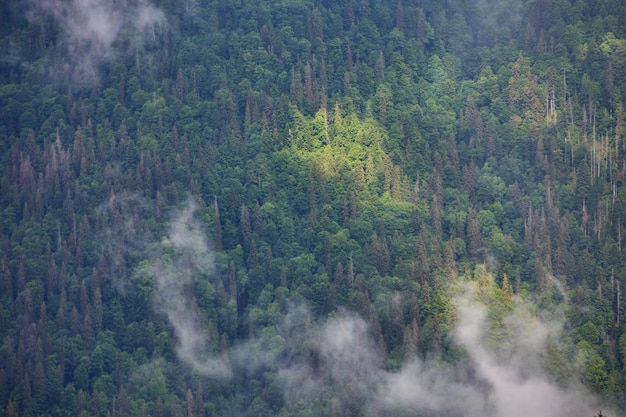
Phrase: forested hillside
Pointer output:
(312, 208)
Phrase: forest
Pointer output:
(312, 208)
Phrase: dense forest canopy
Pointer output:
(312, 207)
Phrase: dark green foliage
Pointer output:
(341, 155)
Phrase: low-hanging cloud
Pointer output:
(492, 379)
(518, 384)
(168, 266)
(336, 364)
(183, 255)
(89, 28)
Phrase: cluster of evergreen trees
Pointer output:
(340, 153)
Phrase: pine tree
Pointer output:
(473, 234)
(217, 230)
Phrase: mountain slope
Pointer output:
(283, 208)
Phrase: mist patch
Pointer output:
(88, 30)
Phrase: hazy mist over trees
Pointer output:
(312, 208)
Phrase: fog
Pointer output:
(337, 359)
(88, 30)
